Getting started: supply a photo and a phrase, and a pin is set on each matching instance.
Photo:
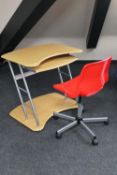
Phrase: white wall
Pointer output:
(68, 22)
(64, 22)
(7, 8)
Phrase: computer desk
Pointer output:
(35, 112)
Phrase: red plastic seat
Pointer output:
(90, 81)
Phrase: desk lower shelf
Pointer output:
(45, 106)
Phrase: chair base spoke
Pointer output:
(96, 120)
(67, 127)
(80, 121)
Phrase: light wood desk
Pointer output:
(35, 112)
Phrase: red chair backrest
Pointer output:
(108, 62)
(95, 75)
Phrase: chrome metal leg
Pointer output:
(60, 75)
(18, 90)
(91, 134)
(61, 79)
(69, 70)
(67, 127)
(79, 120)
(64, 116)
(29, 95)
(96, 120)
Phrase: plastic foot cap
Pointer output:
(94, 141)
(58, 136)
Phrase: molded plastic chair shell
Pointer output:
(90, 81)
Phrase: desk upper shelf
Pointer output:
(34, 56)
(54, 62)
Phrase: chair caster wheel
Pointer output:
(94, 141)
(58, 136)
(55, 117)
(106, 122)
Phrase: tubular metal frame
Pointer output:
(18, 90)
(22, 76)
(29, 95)
(63, 73)
(26, 90)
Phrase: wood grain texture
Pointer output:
(54, 62)
(33, 56)
(45, 106)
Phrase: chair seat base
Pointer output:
(80, 121)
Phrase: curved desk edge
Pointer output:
(54, 63)
(32, 57)
(46, 105)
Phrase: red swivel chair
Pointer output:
(90, 81)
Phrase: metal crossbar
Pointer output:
(23, 90)
(64, 73)
(61, 77)
(26, 74)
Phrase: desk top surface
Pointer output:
(33, 56)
